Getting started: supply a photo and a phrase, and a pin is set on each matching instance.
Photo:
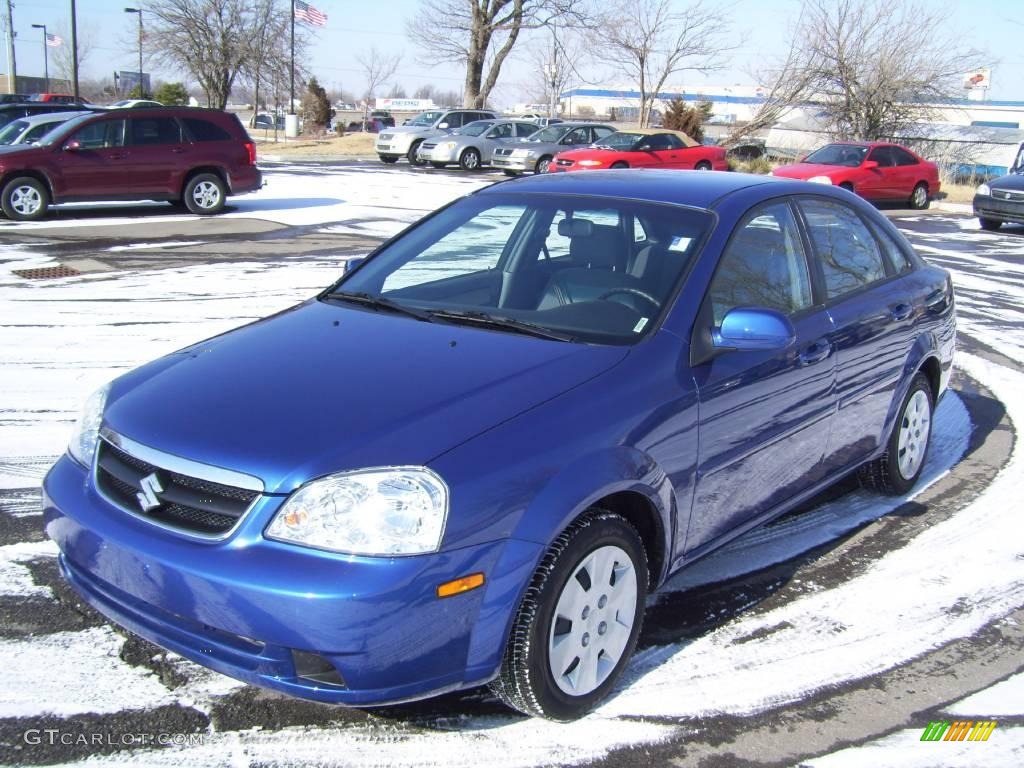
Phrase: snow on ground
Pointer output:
(904, 749)
(1001, 700)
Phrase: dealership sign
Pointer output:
(409, 105)
(978, 78)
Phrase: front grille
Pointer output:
(424, 145)
(188, 503)
(503, 152)
(1007, 194)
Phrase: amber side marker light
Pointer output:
(458, 586)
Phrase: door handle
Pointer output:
(815, 353)
(177, 150)
(118, 156)
(901, 311)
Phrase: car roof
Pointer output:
(52, 117)
(696, 189)
(685, 138)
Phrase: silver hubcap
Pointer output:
(703, 167)
(471, 160)
(206, 194)
(26, 200)
(542, 166)
(914, 430)
(593, 620)
(920, 195)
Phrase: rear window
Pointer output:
(204, 130)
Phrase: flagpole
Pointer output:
(74, 50)
(291, 100)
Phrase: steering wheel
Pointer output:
(655, 304)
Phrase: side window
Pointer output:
(882, 156)
(600, 133)
(204, 130)
(896, 256)
(525, 129)
(468, 249)
(455, 119)
(36, 133)
(674, 142)
(155, 130)
(656, 143)
(848, 253)
(101, 135)
(902, 156)
(503, 131)
(763, 265)
(577, 136)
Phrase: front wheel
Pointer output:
(24, 199)
(896, 470)
(919, 197)
(542, 165)
(205, 194)
(413, 150)
(703, 165)
(619, 164)
(389, 159)
(512, 174)
(579, 621)
(989, 225)
(469, 160)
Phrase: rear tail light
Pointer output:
(250, 147)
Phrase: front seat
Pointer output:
(598, 256)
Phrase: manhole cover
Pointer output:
(46, 273)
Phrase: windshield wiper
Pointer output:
(379, 302)
(501, 322)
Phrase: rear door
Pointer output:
(156, 147)
(764, 416)
(97, 166)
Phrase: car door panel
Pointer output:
(96, 165)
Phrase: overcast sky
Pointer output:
(995, 26)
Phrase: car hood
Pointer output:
(808, 170)
(412, 129)
(324, 388)
(1011, 181)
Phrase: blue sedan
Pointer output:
(470, 460)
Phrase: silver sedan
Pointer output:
(472, 145)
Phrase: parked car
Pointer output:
(58, 98)
(874, 170)
(472, 145)
(13, 98)
(385, 117)
(135, 104)
(268, 122)
(535, 151)
(29, 129)
(1002, 199)
(404, 141)
(370, 125)
(495, 435)
(187, 156)
(9, 112)
(645, 148)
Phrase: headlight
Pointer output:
(983, 189)
(820, 180)
(387, 511)
(523, 153)
(589, 163)
(87, 431)
(449, 145)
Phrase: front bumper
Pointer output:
(396, 146)
(438, 154)
(255, 609)
(521, 164)
(1002, 210)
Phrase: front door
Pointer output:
(764, 416)
(94, 165)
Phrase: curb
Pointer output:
(940, 205)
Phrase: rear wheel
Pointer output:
(469, 160)
(620, 164)
(579, 620)
(25, 199)
(990, 225)
(896, 470)
(919, 197)
(204, 194)
(703, 165)
(542, 165)
(847, 186)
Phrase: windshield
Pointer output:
(10, 132)
(474, 129)
(850, 155)
(426, 118)
(63, 130)
(597, 270)
(619, 140)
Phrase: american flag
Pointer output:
(54, 41)
(307, 13)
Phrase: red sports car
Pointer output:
(642, 149)
(874, 170)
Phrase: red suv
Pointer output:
(187, 156)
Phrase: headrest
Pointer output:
(575, 228)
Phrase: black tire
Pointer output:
(620, 164)
(389, 159)
(438, 165)
(542, 164)
(887, 473)
(703, 165)
(919, 199)
(205, 194)
(989, 225)
(25, 199)
(411, 154)
(526, 682)
(513, 174)
(469, 160)
(847, 186)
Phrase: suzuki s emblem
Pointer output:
(147, 497)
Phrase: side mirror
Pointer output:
(869, 165)
(72, 146)
(748, 329)
(644, 148)
(351, 264)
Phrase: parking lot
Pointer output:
(831, 637)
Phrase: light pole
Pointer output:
(142, 91)
(46, 57)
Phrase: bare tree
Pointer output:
(61, 56)
(268, 54)
(555, 64)
(871, 68)
(480, 34)
(649, 41)
(377, 69)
